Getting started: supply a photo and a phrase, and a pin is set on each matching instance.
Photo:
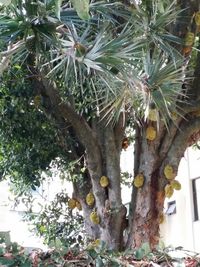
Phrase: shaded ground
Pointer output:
(16, 256)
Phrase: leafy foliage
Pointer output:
(15, 255)
(57, 224)
(100, 59)
(28, 140)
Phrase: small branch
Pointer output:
(83, 131)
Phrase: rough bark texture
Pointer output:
(168, 148)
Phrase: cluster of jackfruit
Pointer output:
(138, 180)
(104, 181)
(74, 203)
(94, 217)
(90, 199)
(151, 133)
(173, 184)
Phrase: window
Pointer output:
(171, 209)
(196, 198)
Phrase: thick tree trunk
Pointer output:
(110, 209)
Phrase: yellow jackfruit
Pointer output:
(78, 205)
(169, 190)
(72, 203)
(104, 182)
(138, 180)
(175, 185)
(150, 133)
(161, 218)
(90, 199)
(197, 18)
(169, 172)
(189, 39)
(153, 114)
(94, 217)
(96, 242)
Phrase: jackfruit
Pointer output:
(72, 203)
(189, 39)
(138, 180)
(175, 185)
(197, 18)
(174, 116)
(186, 50)
(80, 50)
(104, 182)
(153, 114)
(94, 217)
(90, 199)
(37, 100)
(169, 172)
(78, 205)
(97, 242)
(161, 218)
(150, 133)
(94, 244)
(169, 190)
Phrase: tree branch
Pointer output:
(84, 134)
(182, 140)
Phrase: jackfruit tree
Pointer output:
(74, 76)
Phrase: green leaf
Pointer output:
(5, 2)
(6, 262)
(58, 4)
(99, 262)
(143, 251)
(82, 8)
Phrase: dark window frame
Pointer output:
(171, 208)
(195, 202)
